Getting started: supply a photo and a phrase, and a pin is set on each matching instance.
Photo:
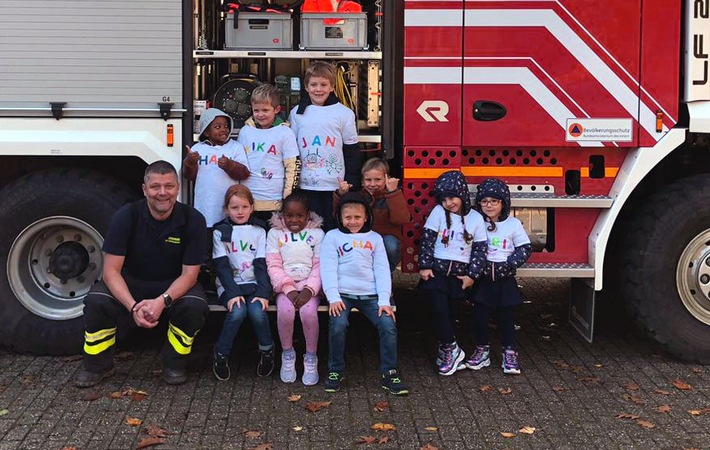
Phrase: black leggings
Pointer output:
(506, 323)
(443, 312)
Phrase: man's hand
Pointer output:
(264, 302)
(238, 300)
(389, 312)
(343, 187)
(293, 295)
(223, 162)
(426, 274)
(466, 281)
(391, 184)
(334, 309)
(147, 313)
(303, 297)
(194, 156)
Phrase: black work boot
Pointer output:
(87, 379)
(174, 376)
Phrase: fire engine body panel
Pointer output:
(596, 114)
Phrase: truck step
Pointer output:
(550, 200)
(556, 270)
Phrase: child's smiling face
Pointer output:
(295, 216)
(452, 204)
(319, 89)
(353, 216)
(374, 181)
(492, 207)
(239, 209)
(264, 113)
(218, 131)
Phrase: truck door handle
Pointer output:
(487, 111)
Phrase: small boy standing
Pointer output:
(214, 164)
(271, 151)
(326, 133)
(355, 274)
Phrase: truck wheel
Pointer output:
(666, 270)
(50, 244)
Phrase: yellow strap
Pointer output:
(99, 335)
(98, 348)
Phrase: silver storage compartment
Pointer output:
(258, 31)
(328, 31)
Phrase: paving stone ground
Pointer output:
(575, 395)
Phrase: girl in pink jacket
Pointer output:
(292, 248)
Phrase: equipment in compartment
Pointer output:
(289, 89)
(328, 31)
(258, 31)
(234, 97)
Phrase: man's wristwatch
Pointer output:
(168, 300)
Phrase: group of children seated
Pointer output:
(285, 218)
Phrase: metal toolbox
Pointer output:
(258, 31)
(327, 31)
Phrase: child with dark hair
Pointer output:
(497, 290)
(452, 256)
(292, 259)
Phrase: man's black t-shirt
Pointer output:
(156, 250)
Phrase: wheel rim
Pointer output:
(52, 265)
(693, 277)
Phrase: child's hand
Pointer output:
(335, 308)
(389, 312)
(466, 281)
(344, 187)
(223, 162)
(293, 295)
(264, 302)
(235, 301)
(391, 184)
(426, 274)
(303, 297)
(194, 156)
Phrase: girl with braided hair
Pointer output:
(452, 256)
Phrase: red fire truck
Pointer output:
(596, 114)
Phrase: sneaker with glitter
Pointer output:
(453, 356)
(510, 363)
(481, 358)
(288, 366)
(310, 370)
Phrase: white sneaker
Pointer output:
(310, 370)
(288, 366)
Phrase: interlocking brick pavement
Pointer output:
(569, 391)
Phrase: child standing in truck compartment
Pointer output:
(326, 133)
(243, 286)
(214, 164)
(271, 151)
(355, 274)
(292, 259)
(452, 256)
(389, 207)
(497, 290)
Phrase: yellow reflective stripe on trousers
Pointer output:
(99, 335)
(98, 348)
(175, 335)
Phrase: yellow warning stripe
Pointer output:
(95, 349)
(175, 336)
(99, 335)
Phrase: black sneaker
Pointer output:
(266, 363)
(392, 382)
(221, 367)
(332, 383)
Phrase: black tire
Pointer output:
(666, 268)
(40, 213)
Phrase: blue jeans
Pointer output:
(338, 327)
(234, 320)
(394, 250)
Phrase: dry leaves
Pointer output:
(316, 406)
(69, 448)
(383, 427)
(428, 447)
(641, 422)
(663, 409)
(527, 430)
(150, 442)
(645, 424)
(699, 412)
(381, 406)
(252, 434)
(589, 379)
(598, 366)
(294, 398)
(696, 370)
(505, 391)
(268, 446)
(156, 431)
(626, 416)
(506, 434)
(431, 429)
(662, 392)
(134, 394)
(91, 396)
(372, 440)
(631, 386)
(133, 421)
(4, 412)
(634, 398)
(485, 388)
(682, 385)
(297, 428)
(559, 388)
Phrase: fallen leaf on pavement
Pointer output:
(631, 386)
(559, 388)
(4, 412)
(383, 427)
(505, 434)
(428, 447)
(382, 406)
(251, 433)
(383, 440)
(294, 398)
(27, 380)
(297, 428)
(149, 442)
(267, 446)
(116, 395)
(366, 440)
(598, 366)
(505, 391)
(561, 364)
(576, 369)
(316, 406)
(431, 428)
(626, 416)
(699, 412)
(485, 388)
(682, 385)
(133, 421)
(589, 379)
(663, 409)
(645, 423)
(662, 392)
(527, 430)
(68, 448)
(634, 398)
(696, 370)
(156, 431)
(91, 396)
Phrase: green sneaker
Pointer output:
(332, 383)
(392, 382)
